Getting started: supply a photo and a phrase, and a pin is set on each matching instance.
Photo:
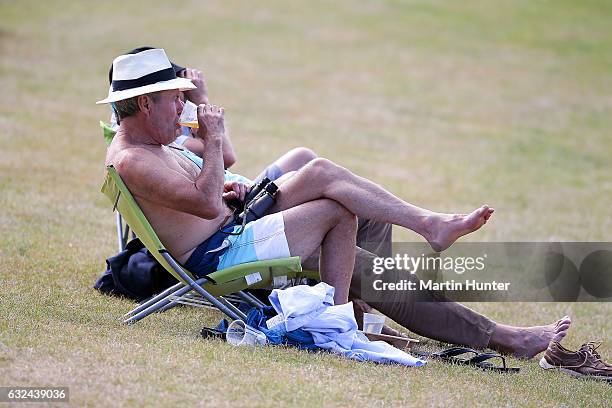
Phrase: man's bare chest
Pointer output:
(178, 162)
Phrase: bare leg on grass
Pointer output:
(429, 314)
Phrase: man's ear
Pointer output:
(144, 104)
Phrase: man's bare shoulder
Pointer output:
(135, 161)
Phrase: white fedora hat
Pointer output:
(142, 73)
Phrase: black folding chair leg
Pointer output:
(120, 238)
(157, 305)
(157, 298)
(233, 308)
(250, 299)
(229, 311)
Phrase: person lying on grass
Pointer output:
(315, 212)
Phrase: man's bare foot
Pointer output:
(527, 342)
(445, 229)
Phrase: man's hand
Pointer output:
(200, 94)
(212, 123)
(235, 190)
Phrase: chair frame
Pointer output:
(212, 289)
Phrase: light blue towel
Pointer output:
(333, 327)
(300, 308)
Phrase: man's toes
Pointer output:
(564, 319)
(565, 322)
(560, 336)
(484, 211)
(563, 327)
(476, 215)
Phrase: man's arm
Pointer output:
(229, 155)
(200, 96)
(151, 179)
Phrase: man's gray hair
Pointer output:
(129, 107)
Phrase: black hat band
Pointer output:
(150, 79)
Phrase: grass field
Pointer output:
(448, 104)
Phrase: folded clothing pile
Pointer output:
(306, 317)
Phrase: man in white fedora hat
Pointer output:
(149, 72)
(315, 209)
(374, 236)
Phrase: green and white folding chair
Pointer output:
(123, 230)
(213, 288)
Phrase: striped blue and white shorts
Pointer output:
(262, 239)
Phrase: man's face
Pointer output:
(165, 114)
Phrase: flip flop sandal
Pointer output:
(210, 333)
(448, 355)
(480, 361)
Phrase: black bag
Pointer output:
(134, 273)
